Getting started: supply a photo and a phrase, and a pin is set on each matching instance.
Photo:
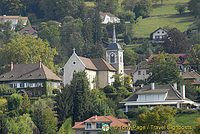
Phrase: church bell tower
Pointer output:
(114, 54)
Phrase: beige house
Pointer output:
(99, 72)
(93, 125)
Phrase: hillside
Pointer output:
(162, 16)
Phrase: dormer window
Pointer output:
(88, 125)
(112, 58)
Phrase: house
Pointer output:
(14, 20)
(153, 95)
(93, 125)
(158, 35)
(108, 18)
(139, 72)
(35, 79)
(191, 77)
(99, 71)
(28, 30)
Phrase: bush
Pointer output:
(134, 113)
(181, 8)
(6, 90)
(186, 111)
(109, 89)
(15, 102)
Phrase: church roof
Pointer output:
(114, 46)
(97, 64)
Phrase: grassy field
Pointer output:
(186, 119)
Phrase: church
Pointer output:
(99, 71)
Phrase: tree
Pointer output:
(44, 117)
(129, 4)
(143, 8)
(22, 124)
(118, 81)
(6, 90)
(26, 105)
(175, 42)
(159, 116)
(66, 127)
(109, 89)
(107, 5)
(164, 70)
(81, 96)
(15, 102)
(194, 57)
(130, 57)
(194, 7)
(28, 49)
(181, 8)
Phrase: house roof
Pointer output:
(109, 119)
(13, 17)
(31, 71)
(157, 30)
(172, 93)
(97, 64)
(106, 13)
(132, 69)
(182, 58)
(29, 29)
(190, 75)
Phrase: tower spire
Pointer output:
(114, 35)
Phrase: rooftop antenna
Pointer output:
(114, 35)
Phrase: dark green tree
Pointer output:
(44, 117)
(194, 7)
(164, 70)
(66, 127)
(107, 5)
(143, 8)
(175, 42)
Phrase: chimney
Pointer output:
(175, 85)
(40, 64)
(11, 66)
(183, 91)
(152, 86)
(95, 117)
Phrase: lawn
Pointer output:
(146, 26)
(186, 119)
(167, 8)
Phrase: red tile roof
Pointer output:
(29, 29)
(104, 119)
(13, 17)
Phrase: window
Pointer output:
(139, 72)
(158, 32)
(98, 125)
(89, 125)
(157, 37)
(112, 58)
(163, 36)
(74, 62)
(22, 85)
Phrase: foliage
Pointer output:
(28, 49)
(159, 116)
(22, 124)
(143, 8)
(99, 105)
(197, 126)
(107, 5)
(130, 57)
(133, 114)
(164, 70)
(109, 89)
(118, 81)
(129, 4)
(192, 92)
(3, 104)
(44, 117)
(181, 8)
(194, 7)
(26, 105)
(175, 42)
(120, 114)
(66, 127)
(6, 90)
(15, 102)
(81, 96)
(128, 83)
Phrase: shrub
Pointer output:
(109, 89)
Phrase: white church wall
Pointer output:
(91, 75)
(74, 64)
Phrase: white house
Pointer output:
(14, 20)
(152, 95)
(108, 18)
(99, 72)
(158, 35)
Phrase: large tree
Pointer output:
(194, 7)
(164, 70)
(175, 42)
(143, 8)
(107, 5)
(159, 116)
(27, 49)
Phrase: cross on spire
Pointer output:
(74, 50)
(114, 35)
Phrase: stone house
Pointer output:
(35, 79)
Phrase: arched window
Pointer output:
(112, 58)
